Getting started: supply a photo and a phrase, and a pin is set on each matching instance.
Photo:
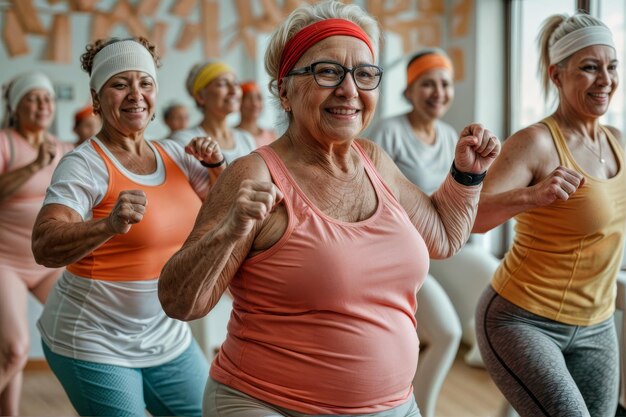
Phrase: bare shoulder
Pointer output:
(251, 166)
(532, 146)
(533, 138)
(376, 154)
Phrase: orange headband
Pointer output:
(426, 63)
(82, 114)
(248, 87)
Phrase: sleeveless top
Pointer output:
(323, 321)
(141, 253)
(565, 257)
(19, 211)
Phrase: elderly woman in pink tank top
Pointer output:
(28, 155)
(321, 240)
(117, 208)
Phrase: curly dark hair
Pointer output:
(86, 59)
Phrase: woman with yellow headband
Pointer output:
(423, 146)
(251, 109)
(321, 240)
(216, 91)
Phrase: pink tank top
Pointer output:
(323, 322)
(19, 211)
(141, 253)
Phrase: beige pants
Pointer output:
(223, 401)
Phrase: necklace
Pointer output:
(597, 154)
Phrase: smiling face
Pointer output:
(221, 96)
(127, 101)
(35, 111)
(587, 81)
(330, 114)
(432, 93)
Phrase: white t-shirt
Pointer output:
(244, 141)
(114, 322)
(424, 165)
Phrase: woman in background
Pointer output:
(251, 109)
(86, 124)
(29, 154)
(216, 91)
(176, 117)
(423, 146)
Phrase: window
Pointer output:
(613, 12)
(527, 100)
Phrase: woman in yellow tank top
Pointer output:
(545, 325)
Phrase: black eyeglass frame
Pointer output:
(310, 71)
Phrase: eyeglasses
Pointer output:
(331, 74)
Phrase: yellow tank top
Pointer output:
(565, 257)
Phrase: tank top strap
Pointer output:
(559, 141)
(616, 146)
(283, 180)
(374, 175)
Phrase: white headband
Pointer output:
(25, 83)
(579, 39)
(118, 57)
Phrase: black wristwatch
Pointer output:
(465, 178)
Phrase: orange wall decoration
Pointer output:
(419, 23)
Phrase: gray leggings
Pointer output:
(547, 368)
(223, 401)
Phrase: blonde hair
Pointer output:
(552, 29)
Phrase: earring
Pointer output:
(153, 117)
(287, 109)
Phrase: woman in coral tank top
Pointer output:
(321, 240)
(117, 208)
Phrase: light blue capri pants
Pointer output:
(95, 389)
(547, 368)
(223, 401)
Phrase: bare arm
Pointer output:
(194, 279)
(525, 176)
(11, 181)
(445, 219)
(61, 237)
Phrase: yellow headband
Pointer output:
(426, 63)
(208, 74)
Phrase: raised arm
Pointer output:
(445, 219)
(11, 181)
(194, 279)
(61, 237)
(525, 176)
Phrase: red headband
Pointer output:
(312, 34)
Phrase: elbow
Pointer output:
(174, 304)
(42, 257)
(480, 228)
